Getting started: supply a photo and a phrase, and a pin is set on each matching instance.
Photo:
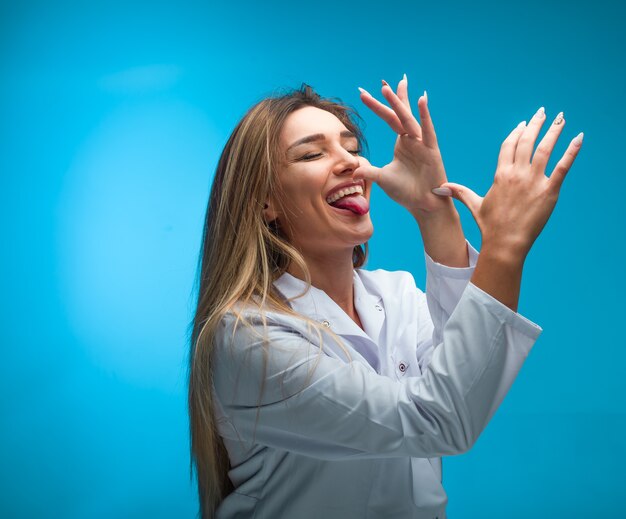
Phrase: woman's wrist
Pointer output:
(499, 273)
(443, 237)
(509, 250)
(433, 208)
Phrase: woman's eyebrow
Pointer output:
(319, 137)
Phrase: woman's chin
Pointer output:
(363, 233)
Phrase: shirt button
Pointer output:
(402, 367)
(378, 307)
(326, 323)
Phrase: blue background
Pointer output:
(112, 119)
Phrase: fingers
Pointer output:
(367, 171)
(400, 116)
(403, 92)
(463, 194)
(562, 167)
(526, 144)
(544, 150)
(509, 146)
(382, 111)
(429, 137)
(409, 123)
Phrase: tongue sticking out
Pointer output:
(356, 203)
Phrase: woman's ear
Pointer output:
(269, 211)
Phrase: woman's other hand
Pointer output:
(417, 166)
(517, 206)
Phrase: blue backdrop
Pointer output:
(112, 119)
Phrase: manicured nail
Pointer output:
(442, 191)
(578, 140)
(385, 83)
(540, 112)
(559, 119)
(363, 91)
(426, 95)
(521, 125)
(404, 77)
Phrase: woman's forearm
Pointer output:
(498, 272)
(443, 237)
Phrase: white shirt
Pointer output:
(363, 438)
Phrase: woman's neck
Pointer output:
(334, 275)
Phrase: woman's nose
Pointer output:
(346, 163)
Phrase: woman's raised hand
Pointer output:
(522, 198)
(417, 166)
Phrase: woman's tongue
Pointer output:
(356, 203)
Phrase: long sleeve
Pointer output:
(444, 287)
(283, 392)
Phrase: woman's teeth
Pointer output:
(344, 192)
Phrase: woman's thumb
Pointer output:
(367, 172)
(463, 194)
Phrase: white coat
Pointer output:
(313, 435)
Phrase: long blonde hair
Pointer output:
(241, 256)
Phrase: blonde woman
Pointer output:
(318, 388)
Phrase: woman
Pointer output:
(318, 389)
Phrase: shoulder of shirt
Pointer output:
(251, 319)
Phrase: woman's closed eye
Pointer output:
(311, 156)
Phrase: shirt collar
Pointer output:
(316, 304)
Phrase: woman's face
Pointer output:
(319, 158)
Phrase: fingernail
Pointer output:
(540, 112)
(404, 77)
(559, 119)
(442, 191)
(426, 95)
(385, 83)
(578, 140)
(363, 91)
(521, 125)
